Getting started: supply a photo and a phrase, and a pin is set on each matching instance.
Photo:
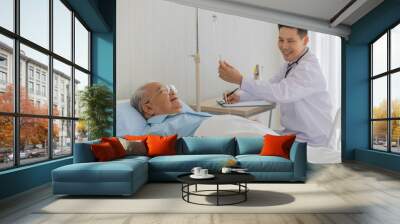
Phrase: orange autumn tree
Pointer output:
(34, 130)
(380, 111)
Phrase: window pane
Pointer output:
(81, 81)
(395, 94)
(379, 97)
(81, 45)
(33, 140)
(7, 14)
(62, 89)
(81, 131)
(395, 47)
(379, 55)
(34, 78)
(62, 138)
(6, 142)
(379, 135)
(6, 74)
(35, 21)
(62, 29)
(395, 138)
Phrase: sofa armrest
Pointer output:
(298, 155)
(83, 152)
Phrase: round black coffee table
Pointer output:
(238, 179)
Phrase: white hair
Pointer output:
(137, 98)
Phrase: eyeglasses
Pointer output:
(168, 89)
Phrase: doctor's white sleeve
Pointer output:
(304, 81)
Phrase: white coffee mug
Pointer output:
(226, 170)
(196, 170)
(203, 172)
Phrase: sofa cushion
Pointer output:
(207, 145)
(257, 163)
(277, 145)
(249, 145)
(103, 152)
(111, 171)
(185, 163)
(161, 145)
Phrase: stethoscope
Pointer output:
(291, 65)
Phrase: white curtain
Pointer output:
(327, 48)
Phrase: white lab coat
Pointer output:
(305, 104)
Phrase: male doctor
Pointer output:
(299, 88)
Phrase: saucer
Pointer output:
(208, 176)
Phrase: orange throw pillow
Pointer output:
(161, 145)
(103, 152)
(116, 145)
(136, 137)
(277, 145)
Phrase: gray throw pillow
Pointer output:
(134, 147)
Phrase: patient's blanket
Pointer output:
(230, 125)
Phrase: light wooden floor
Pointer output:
(380, 189)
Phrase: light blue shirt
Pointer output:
(183, 124)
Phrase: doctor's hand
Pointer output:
(229, 73)
(233, 98)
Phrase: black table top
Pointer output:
(220, 178)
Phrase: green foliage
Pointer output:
(96, 102)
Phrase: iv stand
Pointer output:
(196, 58)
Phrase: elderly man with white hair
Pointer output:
(162, 109)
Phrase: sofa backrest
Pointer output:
(206, 145)
(249, 145)
(83, 152)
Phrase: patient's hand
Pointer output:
(233, 98)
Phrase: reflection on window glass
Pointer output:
(62, 138)
(395, 138)
(33, 139)
(39, 63)
(6, 142)
(6, 74)
(62, 29)
(81, 45)
(62, 89)
(395, 47)
(379, 58)
(379, 135)
(81, 81)
(379, 98)
(35, 21)
(395, 95)
(7, 14)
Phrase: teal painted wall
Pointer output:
(355, 85)
(100, 16)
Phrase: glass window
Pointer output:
(379, 57)
(81, 131)
(6, 73)
(30, 87)
(62, 138)
(395, 138)
(379, 135)
(379, 98)
(81, 81)
(7, 14)
(62, 29)
(40, 62)
(6, 142)
(395, 95)
(81, 45)
(62, 72)
(35, 21)
(33, 140)
(395, 47)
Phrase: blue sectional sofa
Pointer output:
(125, 176)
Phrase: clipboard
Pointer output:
(254, 103)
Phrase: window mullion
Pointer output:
(389, 113)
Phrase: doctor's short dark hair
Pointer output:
(301, 32)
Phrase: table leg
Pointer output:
(196, 187)
(217, 194)
(270, 118)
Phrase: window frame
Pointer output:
(16, 114)
(388, 74)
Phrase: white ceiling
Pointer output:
(314, 15)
